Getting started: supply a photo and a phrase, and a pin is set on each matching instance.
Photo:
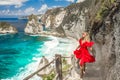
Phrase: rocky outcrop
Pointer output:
(53, 18)
(101, 19)
(69, 20)
(103, 26)
(7, 28)
(45, 71)
(33, 26)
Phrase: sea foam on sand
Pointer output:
(63, 46)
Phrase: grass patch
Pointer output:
(50, 76)
(32, 16)
(104, 9)
(65, 67)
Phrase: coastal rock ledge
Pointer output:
(33, 25)
(7, 28)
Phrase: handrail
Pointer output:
(58, 67)
(31, 75)
(65, 57)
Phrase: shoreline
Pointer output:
(67, 43)
(50, 58)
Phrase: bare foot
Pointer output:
(84, 72)
(81, 78)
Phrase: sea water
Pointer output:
(20, 53)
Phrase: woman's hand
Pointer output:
(90, 48)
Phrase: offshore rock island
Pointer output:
(7, 28)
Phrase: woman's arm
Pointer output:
(78, 47)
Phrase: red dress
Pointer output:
(83, 53)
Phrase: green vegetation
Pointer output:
(65, 67)
(102, 12)
(56, 11)
(104, 9)
(49, 77)
(32, 16)
(4, 25)
(112, 1)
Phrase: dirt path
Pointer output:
(92, 72)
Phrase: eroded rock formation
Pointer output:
(7, 28)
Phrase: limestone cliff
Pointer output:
(7, 28)
(33, 26)
(69, 20)
(53, 18)
(101, 18)
(104, 29)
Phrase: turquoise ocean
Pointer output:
(20, 53)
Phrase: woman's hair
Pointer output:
(87, 37)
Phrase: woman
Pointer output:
(82, 52)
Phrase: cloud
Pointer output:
(70, 0)
(16, 3)
(29, 10)
(4, 12)
(54, 7)
(79, 1)
(43, 9)
(66, 0)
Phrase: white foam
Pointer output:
(51, 44)
(56, 45)
(25, 71)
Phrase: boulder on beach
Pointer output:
(7, 28)
(47, 70)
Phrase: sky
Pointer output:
(27, 7)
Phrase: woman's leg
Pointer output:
(84, 66)
(78, 65)
(81, 71)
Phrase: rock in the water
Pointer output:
(33, 26)
(47, 70)
(7, 28)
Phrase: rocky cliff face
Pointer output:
(7, 28)
(101, 18)
(53, 18)
(33, 26)
(104, 29)
(69, 20)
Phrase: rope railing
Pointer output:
(58, 65)
(31, 75)
(65, 57)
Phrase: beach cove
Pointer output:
(20, 52)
